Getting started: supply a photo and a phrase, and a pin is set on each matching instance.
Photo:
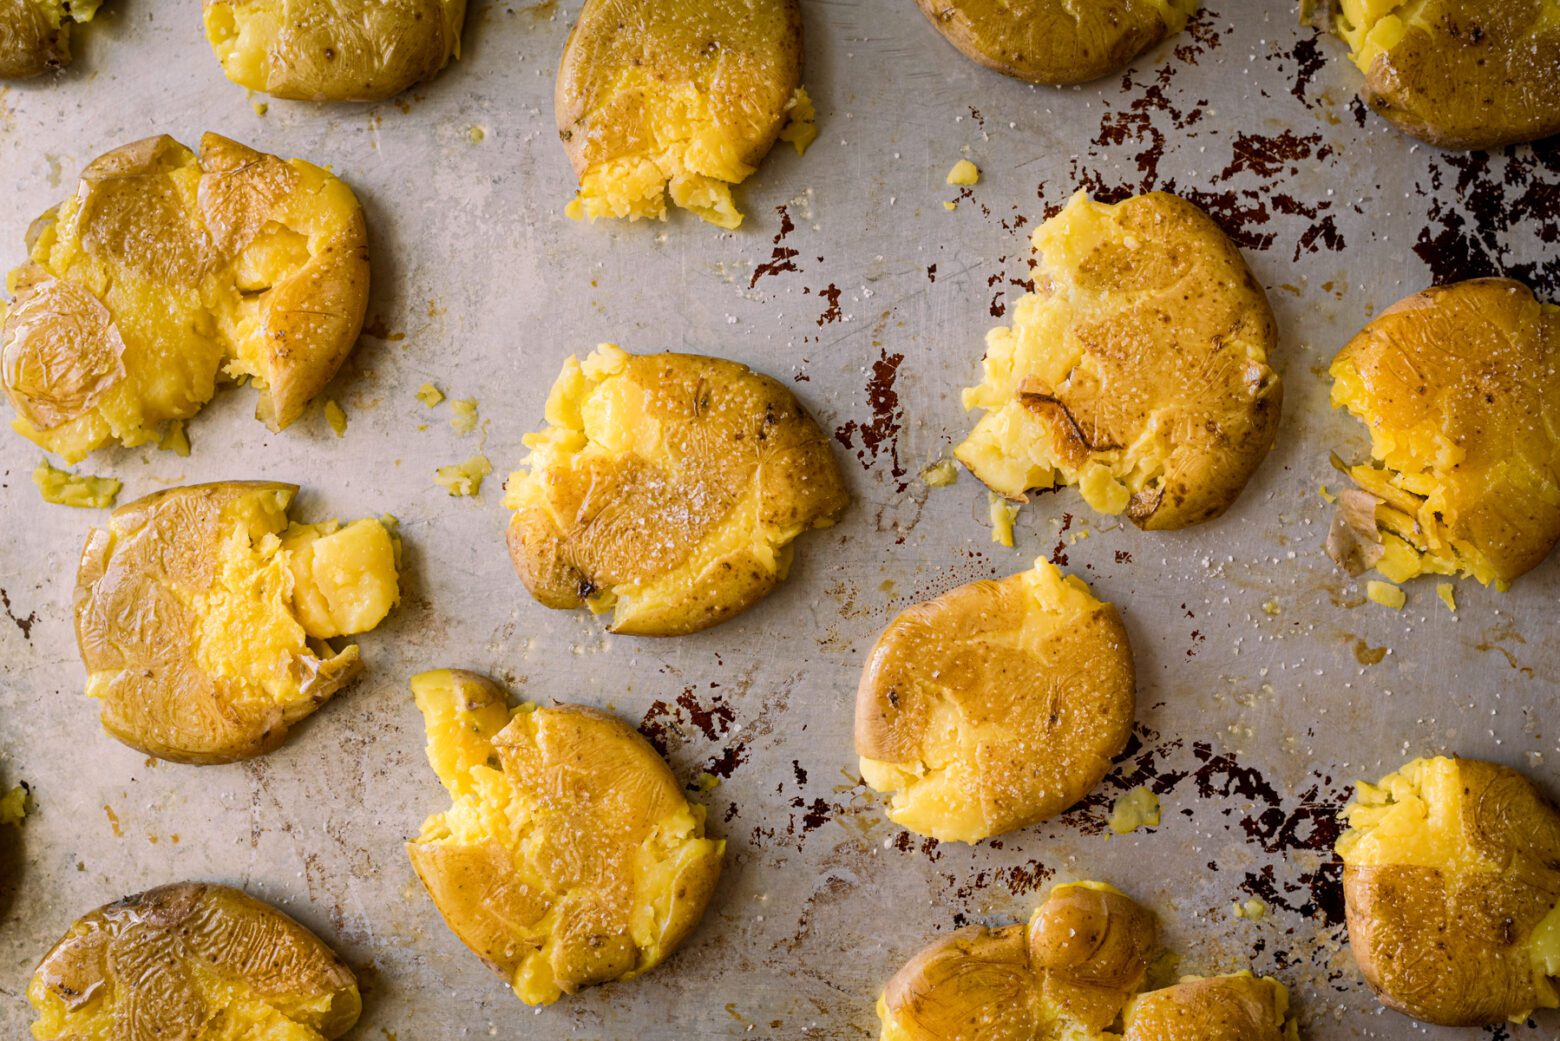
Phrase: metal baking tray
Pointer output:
(1268, 684)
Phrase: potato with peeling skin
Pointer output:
(996, 705)
(203, 617)
(1137, 370)
(165, 272)
(1470, 74)
(1451, 882)
(1240, 1007)
(191, 961)
(35, 34)
(333, 50)
(676, 96)
(1058, 42)
(1460, 388)
(569, 855)
(667, 489)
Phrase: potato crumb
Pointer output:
(463, 415)
(1327, 496)
(950, 205)
(1252, 909)
(706, 782)
(1003, 514)
(13, 805)
(68, 489)
(1444, 591)
(802, 129)
(940, 474)
(1385, 594)
(964, 172)
(429, 395)
(1138, 808)
(175, 439)
(476, 135)
(260, 107)
(575, 210)
(336, 416)
(464, 478)
(1270, 607)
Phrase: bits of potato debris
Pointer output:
(1451, 884)
(964, 173)
(67, 489)
(1056, 41)
(203, 617)
(1137, 370)
(164, 272)
(191, 960)
(35, 34)
(1134, 809)
(1460, 388)
(464, 478)
(333, 50)
(1239, 1007)
(995, 705)
(667, 489)
(677, 96)
(569, 855)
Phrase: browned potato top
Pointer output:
(995, 705)
(1242, 1007)
(35, 34)
(667, 488)
(192, 962)
(1056, 41)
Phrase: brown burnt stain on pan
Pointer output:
(668, 725)
(782, 258)
(832, 312)
(25, 624)
(869, 439)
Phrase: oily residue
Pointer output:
(879, 434)
(669, 725)
(782, 258)
(24, 624)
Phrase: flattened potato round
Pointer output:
(333, 50)
(1137, 370)
(1241, 1007)
(679, 96)
(667, 489)
(1460, 387)
(202, 617)
(995, 705)
(165, 271)
(1458, 73)
(1068, 974)
(1451, 883)
(195, 962)
(1056, 41)
(569, 855)
(35, 34)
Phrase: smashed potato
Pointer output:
(995, 705)
(1058, 42)
(35, 34)
(195, 962)
(569, 856)
(203, 617)
(165, 271)
(333, 50)
(676, 96)
(1240, 1007)
(1064, 977)
(1137, 370)
(667, 489)
(1456, 73)
(1451, 883)
(1460, 387)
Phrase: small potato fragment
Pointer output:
(333, 50)
(191, 961)
(678, 96)
(166, 271)
(569, 856)
(1460, 388)
(1058, 42)
(35, 34)
(1241, 1007)
(1137, 370)
(996, 705)
(202, 617)
(1451, 884)
(667, 489)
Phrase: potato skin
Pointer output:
(29, 44)
(1219, 1008)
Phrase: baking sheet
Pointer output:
(1267, 683)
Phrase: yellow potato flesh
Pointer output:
(68, 489)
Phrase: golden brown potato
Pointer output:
(1451, 883)
(333, 50)
(995, 705)
(195, 962)
(1137, 370)
(165, 271)
(667, 489)
(679, 96)
(1068, 974)
(1241, 1007)
(35, 34)
(203, 617)
(1460, 387)
(1457, 73)
(568, 856)
(1056, 41)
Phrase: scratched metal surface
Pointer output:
(1256, 709)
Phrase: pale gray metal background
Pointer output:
(482, 285)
